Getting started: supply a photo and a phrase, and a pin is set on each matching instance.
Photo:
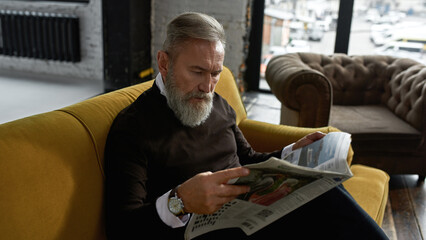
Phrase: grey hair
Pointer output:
(192, 25)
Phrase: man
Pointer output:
(172, 151)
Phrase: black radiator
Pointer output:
(39, 35)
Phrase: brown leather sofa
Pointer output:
(380, 100)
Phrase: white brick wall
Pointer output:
(91, 65)
(231, 13)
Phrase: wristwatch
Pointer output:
(175, 204)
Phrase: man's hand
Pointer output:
(308, 139)
(206, 192)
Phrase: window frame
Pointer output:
(253, 61)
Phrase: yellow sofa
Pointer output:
(51, 166)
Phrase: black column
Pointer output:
(343, 30)
(251, 75)
(127, 42)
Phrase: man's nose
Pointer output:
(206, 85)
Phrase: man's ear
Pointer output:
(163, 62)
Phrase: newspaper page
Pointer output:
(278, 186)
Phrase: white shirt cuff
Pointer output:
(166, 216)
(287, 150)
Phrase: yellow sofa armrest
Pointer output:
(370, 188)
(268, 137)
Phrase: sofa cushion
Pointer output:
(98, 113)
(375, 127)
(227, 88)
(370, 188)
(369, 119)
(51, 186)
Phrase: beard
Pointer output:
(190, 114)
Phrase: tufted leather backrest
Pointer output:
(398, 83)
(408, 95)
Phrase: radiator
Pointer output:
(39, 35)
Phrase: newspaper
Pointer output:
(278, 186)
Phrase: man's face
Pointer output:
(191, 78)
(197, 66)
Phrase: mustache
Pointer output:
(198, 94)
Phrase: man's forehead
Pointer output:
(220, 47)
(202, 54)
(217, 68)
(196, 42)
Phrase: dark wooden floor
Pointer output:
(405, 216)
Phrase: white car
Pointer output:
(315, 34)
(413, 50)
(298, 46)
(380, 33)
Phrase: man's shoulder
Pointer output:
(223, 103)
(146, 101)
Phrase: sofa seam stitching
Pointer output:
(92, 138)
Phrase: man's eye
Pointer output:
(197, 73)
(216, 74)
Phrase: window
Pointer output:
(297, 26)
(388, 27)
(396, 28)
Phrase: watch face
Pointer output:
(175, 205)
